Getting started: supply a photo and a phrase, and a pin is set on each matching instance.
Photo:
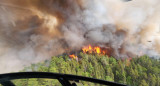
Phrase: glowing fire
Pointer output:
(73, 56)
(90, 49)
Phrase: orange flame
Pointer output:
(90, 49)
(97, 50)
(73, 56)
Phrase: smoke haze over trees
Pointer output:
(34, 30)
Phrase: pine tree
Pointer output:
(143, 83)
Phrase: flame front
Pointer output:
(97, 50)
(90, 49)
(73, 56)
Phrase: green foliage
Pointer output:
(142, 71)
(143, 83)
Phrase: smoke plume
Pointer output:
(34, 30)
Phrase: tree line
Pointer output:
(140, 71)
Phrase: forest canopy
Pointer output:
(139, 71)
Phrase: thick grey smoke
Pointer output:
(34, 30)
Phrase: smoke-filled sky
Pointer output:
(34, 30)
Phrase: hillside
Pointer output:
(142, 71)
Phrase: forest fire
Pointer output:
(94, 50)
(73, 56)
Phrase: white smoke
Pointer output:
(34, 30)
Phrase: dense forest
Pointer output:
(138, 71)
